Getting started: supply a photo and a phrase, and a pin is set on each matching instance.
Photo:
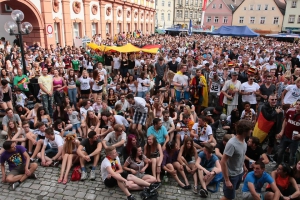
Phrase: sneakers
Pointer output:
(92, 175)
(15, 185)
(55, 163)
(33, 160)
(203, 193)
(33, 176)
(154, 186)
(131, 197)
(83, 176)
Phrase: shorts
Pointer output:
(113, 182)
(235, 181)
(96, 91)
(198, 142)
(140, 175)
(186, 96)
(139, 118)
(86, 91)
(171, 86)
(18, 170)
(249, 196)
(76, 126)
(51, 152)
(90, 71)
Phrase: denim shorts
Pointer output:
(235, 181)
(76, 126)
(51, 152)
(186, 95)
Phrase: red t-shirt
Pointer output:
(292, 122)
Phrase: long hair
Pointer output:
(170, 148)
(129, 144)
(71, 77)
(133, 154)
(11, 130)
(69, 145)
(95, 75)
(38, 114)
(187, 151)
(151, 148)
(89, 121)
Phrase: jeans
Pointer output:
(59, 97)
(47, 102)
(157, 80)
(213, 99)
(292, 144)
(72, 95)
(141, 94)
(123, 71)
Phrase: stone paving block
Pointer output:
(69, 192)
(90, 196)
(35, 186)
(80, 194)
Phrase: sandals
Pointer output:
(65, 181)
(59, 181)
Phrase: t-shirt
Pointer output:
(204, 132)
(253, 154)
(207, 164)
(220, 145)
(292, 122)
(257, 182)
(160, 69)
(84, 83)
(143, 88)
(248, 115)
(266, 91)
(117, 63)
(159, 135)
(20, 99)
(228, 87)
(139, 105)
(292, 95)
(73, 117)
(47, 82)
(112, 139)
(181, 79)
(6, 119)
(83, 111)
(167, 124)
(249, 88)
(54, 144)
(106, 163)
(236, 151)
(15, 158)
(121, 120)
(89, 148)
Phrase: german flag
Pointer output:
(23, 80)
(262, 127)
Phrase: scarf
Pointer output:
(200, 133)
(114, 163)
(179, 73)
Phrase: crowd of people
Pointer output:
(196, 108)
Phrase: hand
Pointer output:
(278, 110)
(180, 167)
(163, 147)
(173, 172)
(296, 137)
(133, 171)
(27, 172)
(279, 135)
(264, 96)
(87, 158)
(188, 169)
(108, 176)
(229, 184)
(143, 170)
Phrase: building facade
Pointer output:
(219, 12)
(263, 17)
(291, 21)
(61, 21)
(164, 13)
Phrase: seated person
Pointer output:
(36, 138)
(159, 132)
(19, 164)
(209, 168)
(248, 113)
(118, 119)
(74, 120)
(254, 153)
(219, 149)
(89, 151)
(116, 138)
(213, 113)
(16, 134)
(220, 128)
(168, 123)
(296, 173)
(183, 131)
(284, 182)
(202, 133)
(52, 149)
(112, 175)
(10, 116)
(255, 181)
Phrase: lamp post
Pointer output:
(18, 29)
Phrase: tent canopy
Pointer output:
(126, 48)
(242, 31)
(283, 35)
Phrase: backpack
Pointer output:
(76, 174)
(220, 132)
(147, 195)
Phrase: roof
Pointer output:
(233, 4)
(242, 31)
(281, 5)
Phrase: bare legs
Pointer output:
(67, 162)
(21, 177)
(154, 166)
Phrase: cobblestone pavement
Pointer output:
(46, 187)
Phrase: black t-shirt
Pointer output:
(89, 148)
(131, 64)
(108, 60)
(173, 67)
(253, 154)
(220, 145)
(266, 91)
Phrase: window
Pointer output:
(76, 30)
(214, 6)
(94, 29)
(142, 26)
(162, 17)
(241, 21)
(107, 28)
(298, 19)
(169, 4)
(245, 8)
(252, 20)
(179, 2)
(275, 20)
(128, 27)
(177, 14)
(251, 7)
(118, 27)
(169, 17)
(266, 7)
(191, 14)
(186, 14)
(56, 32)
(195, 15)
(156, 17)
(196, 2)
(221, 5)
(225, 20)
(216, 19)
(294, 4)
(192, 2)
(273, 8)
(162, 3)
(180, 13)
(187, 2)
(208, 19)
(258, 7)
(291, 18)
(262, 20)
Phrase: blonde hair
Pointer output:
(69, 145)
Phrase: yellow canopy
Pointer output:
(93, 46)
(153, 50)
(127, 48)
(123, 49)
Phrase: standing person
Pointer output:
(58, 87)
(289, 134)
(160, 69)
(71, 79)
(140, 112)
(19, 164)
(46, 84)
(232, 162)
(180, 81)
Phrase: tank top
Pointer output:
(132, 87)
(44, 120)
(57, 82)
(6, 97)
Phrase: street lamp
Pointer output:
(18, 29)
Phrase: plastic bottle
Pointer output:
(166, 179)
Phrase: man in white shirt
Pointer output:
(118, 119)
(180, 82)
(168, 122)
(123, 102)
(116, 63)
(291, 93)
(52, 149)
(116, 138)
(46, 89)
(270, 65)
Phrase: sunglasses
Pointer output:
(273, 99)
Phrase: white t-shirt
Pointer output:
(292, 95)
(117, 63)
(57, 142)
(143, 88)
(203, 136)
(84, 83)
(95, 86)
(249, 88)
(121, 120)
(229, 85)
(252, 113)
(103, 71)
(105, 163)
(84, 111)
(125, 105)
(139, 105)
(20, 99)
(181, 79)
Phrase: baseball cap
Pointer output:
(208, 113)
(223, 117)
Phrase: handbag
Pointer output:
(76, 174)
